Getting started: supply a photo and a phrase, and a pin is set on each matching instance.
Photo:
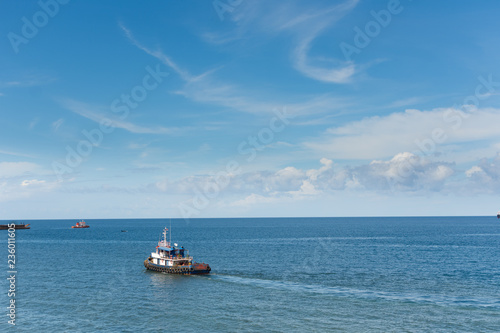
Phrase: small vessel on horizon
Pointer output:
(13, 225)
(173, 260)
(80, 225)
(498, 215)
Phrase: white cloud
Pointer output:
(426, 132)
(254, 199)
(485, 177)
(474, 171)
(14, 169)
(14, 190)
(405, 172)
(17, 181)
(403, 175)
(32, 182)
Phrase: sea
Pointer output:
(369, 274)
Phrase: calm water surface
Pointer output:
(433, 274)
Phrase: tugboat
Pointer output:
(80, 224)
(173, 260)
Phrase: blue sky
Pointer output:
(249, 108)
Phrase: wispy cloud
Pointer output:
(303, 20)
(28, 81)
(157, 54)
(405, 102)
(33, 123)
(12, 153)
(56, 124)
(98, 113)
(205, 88)
(316, 24)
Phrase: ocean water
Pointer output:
(398, 274)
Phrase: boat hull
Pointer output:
(16, 226)
(198, 269)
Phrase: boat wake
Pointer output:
(442, 300)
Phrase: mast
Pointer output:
(170, 233)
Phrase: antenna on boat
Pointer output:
(170, 233)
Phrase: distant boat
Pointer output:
(80, 225)
(124, 230)
(13, 225)
(498, 215)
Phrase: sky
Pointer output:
(239, 108)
